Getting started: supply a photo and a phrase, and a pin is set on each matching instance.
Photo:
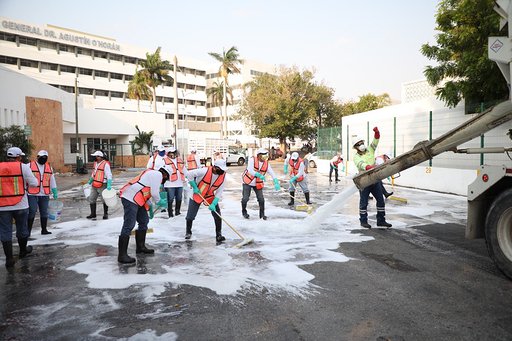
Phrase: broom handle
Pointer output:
(295, 190)
(224, 220)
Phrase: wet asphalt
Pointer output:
(425, 282)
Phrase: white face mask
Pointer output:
(361, 148)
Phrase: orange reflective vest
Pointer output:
(143, 195)
(294, 169)
(12, 183)
(247, 177)
(191, 162)
(179, 169)
(98, 175)
(41, 178)
(207, 188)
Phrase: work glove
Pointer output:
(369, 167)
(286, 168)
(151, 212)
(377, 133)
(109, 184)
(162, 203)
(90, 181)
(194, 186)
(277, 187)
(213, 205)
(55, 195)
(293, 179)
(260, 176)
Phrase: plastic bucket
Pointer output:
(87, 190)
(55, 210)
(110, 197)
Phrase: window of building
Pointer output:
(49, 66)
(169, 116)
(66, 88)
(84, 71)
(200, 118)
(84, 51)
(257, 73)
(100, 54)
(28, 41)
(128, 78)
(85, 91)
(67, 68)
(200, 88)
(98, 73)
(49, 45)
(7, 36)
(8, 60)
(114, 75)
(116, 57)
(66, 48)
(29, 63)
(168, 100)
(73, 146)
(130, 60)
(116, 94)
(102, 93)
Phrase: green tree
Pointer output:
(138, 89)
(463, 69)
(229, 64)
(155, 72)
(142, 143)
(365, 103)
(216, 94)
(14, 136)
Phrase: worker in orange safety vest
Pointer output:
(101, 179)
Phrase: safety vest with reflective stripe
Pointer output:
(12, 183)
(191, 162)
(41, 178)
(179, 169)
(294, 169)
(247, 177)
(98, 173)
(143, 195)
(207, 188)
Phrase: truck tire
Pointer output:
(241, 161)
(498, 232)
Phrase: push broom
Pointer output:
(244, 241)
(304, 206)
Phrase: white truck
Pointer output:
(206, 148)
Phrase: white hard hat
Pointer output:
(193, 149)
(14, 152)
(42, 153)
(295, 156)
(97, 153)
(167, 169)
(221, 163)
(160, 148)
(262, 151)
(172, 150)
(356, 139)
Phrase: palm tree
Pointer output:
(229, 61)
(138, 89)
(216, 95)
(143, 140)
(155, 71)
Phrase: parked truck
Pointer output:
(489, 196)
(206, 147)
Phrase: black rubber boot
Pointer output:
(178, 207)
(169, 209)
(366, 225)
(292, 200)
(24, 249)
(93, 212)
(30, 224)
(44, 223)
(218, 231)
(123, 250)
(387, 194)
(262, 211)
(105, 211)
(244, 210)
(140, 241)
(9, 259)
(307, 198)
(188, 232)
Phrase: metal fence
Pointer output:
(328, 142)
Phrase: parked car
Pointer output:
(323, 155)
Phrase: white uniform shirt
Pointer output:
(53, 183)
(108, 171)
(250, 170)
(178, 182)
(335, 159)
(156, 162)
(152, 179)
(200, 173)
(301, 171)
(30, 180)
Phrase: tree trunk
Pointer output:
(138, 104)
(225, 104)
(154, 99)
(282, 145)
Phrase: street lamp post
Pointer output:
(78, 165)
(176, 115)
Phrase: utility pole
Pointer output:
(78, 165)
(176, 110)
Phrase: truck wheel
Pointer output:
(498, 232)
(241, 161)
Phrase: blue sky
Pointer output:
(355, 47)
